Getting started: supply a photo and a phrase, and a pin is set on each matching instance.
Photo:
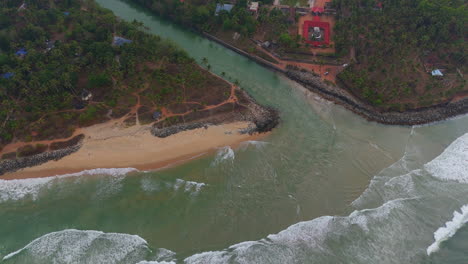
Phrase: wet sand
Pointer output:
(110, 145)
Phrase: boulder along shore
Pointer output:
(146, 147)
(342, 97)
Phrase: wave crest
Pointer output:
(451, 227)
(24, 188)
(82, 246)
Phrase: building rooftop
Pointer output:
(7, 75)
(223, 7)
(253, 6)
(21, 52)
(437, 72)
(119, 41)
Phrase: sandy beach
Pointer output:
(109, 145)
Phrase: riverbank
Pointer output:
(109, 145)
(457, 106)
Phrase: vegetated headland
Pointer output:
(68, 66)
(394, 62)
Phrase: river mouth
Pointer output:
(318, 161)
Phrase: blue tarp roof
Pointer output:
(21, 52)
(7, 75)
(66, 13)
(223, 7)
(119, 41)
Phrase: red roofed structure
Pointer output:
(317, 9)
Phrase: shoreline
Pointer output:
(109, 146)
(340, 96)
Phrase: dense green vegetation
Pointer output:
(70, 53)
(393, 44)
(200, 15)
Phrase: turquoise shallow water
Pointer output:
(332, 187)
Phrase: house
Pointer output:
(49, 45)
(119, 41)
(378, 5)
(302, 11)
(7, 75)
(329, 8)
(436, 73)
(156, 115)
(22, 7)
(223, 7)
(317, 10)
(253, 7)
(266, 44)
(21, 52)
(292, 15)
(86, 95)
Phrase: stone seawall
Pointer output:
(38, 159)
(263, 119)
(407, 118)
(258, 60)
(340, 96)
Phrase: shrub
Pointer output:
(10, 155)
(30, 150)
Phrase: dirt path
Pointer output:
(166, 113)
(326, 72)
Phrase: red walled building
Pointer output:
(311, 24)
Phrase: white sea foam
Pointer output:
(30, 188)
(366, 235)
(150, 185)
(189, 186)
(156, 262)
(223, 154)
(297, 242)
(451, 227)
(255, 143)
(452, 164)
(83, 246)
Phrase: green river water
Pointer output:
(325, 187)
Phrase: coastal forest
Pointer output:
(69, 64)
(391, 47)
(395, 46)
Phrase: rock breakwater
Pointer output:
(13, 165)
(407, 118)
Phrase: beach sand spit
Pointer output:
(109, 145)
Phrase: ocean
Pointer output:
(326, 186)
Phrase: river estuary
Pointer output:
(326, 186)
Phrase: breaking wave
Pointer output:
(402, 214)
(398, 212)
(452, 164)
(451, 227)
(223, 154)
(189, 186)
(82, 246)
(255, 143)
(156, 262)
(150, 185)
(31, 188)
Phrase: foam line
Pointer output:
(22, 188)
(451, 227)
